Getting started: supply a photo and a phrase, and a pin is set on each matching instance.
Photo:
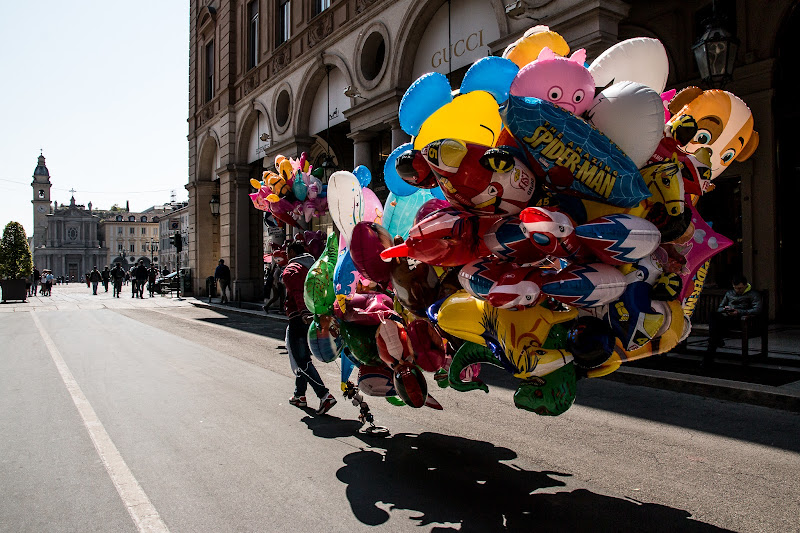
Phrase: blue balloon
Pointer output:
(299, 188)
(399, 211)
(491, 74)
(425, 96)
(392, 178)
(344, 274)
(348, 364)
(363, 175)
(437, 193)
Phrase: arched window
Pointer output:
(144, 219)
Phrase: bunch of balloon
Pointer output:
(292, 194)
(562, 203)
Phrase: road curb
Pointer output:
(720, 389)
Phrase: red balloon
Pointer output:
(394, 346)
(429, 349)
(410, 385)
(368, 241)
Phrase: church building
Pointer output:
(65, 238)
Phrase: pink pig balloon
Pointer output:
(560, 80)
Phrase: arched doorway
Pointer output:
(787, 118)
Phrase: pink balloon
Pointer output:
(705, 244)
(373, 209)
(429, 207)
(429, 351)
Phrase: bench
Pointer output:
(750, 326)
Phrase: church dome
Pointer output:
(41, 168)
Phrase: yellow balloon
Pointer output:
(520, 334)
(255, 183)
(527, 48)
(473, 117)
(273, 198)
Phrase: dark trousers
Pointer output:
(297, 346)
(717, 327)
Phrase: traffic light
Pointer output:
(177, 241)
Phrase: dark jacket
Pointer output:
(140, 272)
(294, 278)
(106, 273)
(95, 276)
(118, 273)
(223, 272)
(748, 303)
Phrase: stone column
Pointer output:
(204, 234)
(362, 153)
(398, 135)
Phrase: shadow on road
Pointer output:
(468, 485)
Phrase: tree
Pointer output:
(16, 261)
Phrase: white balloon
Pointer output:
(345, 202)
(642, 60)
(631, 115)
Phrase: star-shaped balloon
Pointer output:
(705, 244)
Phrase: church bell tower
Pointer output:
(41, 202)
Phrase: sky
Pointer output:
(101, 89)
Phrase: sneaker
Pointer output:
(326, 403)
(298, 401)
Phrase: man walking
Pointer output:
(141, 278)
(37, 277)
(94, 278)
(118, 277)
(106, 273)
(223, 275)
(294, 276)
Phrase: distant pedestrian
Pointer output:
(277, 291)
(94, 278)
(48, 283)
(118, 277)
(222, 275)
(106, 273)
(37, 277)
(141, 275)
(152, 274)
(294, 276)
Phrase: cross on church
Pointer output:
(72, 191)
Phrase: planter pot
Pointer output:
(14, 289)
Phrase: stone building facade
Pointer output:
(129, 237)
(325, 77)
(65, 239)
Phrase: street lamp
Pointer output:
(715, 52)
(214, 204)
(153, 248)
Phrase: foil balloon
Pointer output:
(472, 117)
(516, 338)
(631, 115)
(577, 158)
(705, 244)
(640, 60)
(399, 211)
(564, 82)
(360, 341)
(427, 344)
(323, 343)
(619, 239)
(345, 203)
(481, 179)
(393, 181)
(549, 395)
(318, 291)
(527, 48)
(724, 125)
(369, 240)
(410, 384)
(394, 346)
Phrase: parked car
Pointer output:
(167, 283)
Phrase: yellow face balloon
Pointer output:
(527, 48)
(473, 117)
(519, 334)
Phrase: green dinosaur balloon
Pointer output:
(318, 291)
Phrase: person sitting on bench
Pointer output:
(740, 301)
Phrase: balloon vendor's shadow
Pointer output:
(468, 485)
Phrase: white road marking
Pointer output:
(137, 503)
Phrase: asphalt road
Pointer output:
(199, 437)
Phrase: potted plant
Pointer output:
(16, 263)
